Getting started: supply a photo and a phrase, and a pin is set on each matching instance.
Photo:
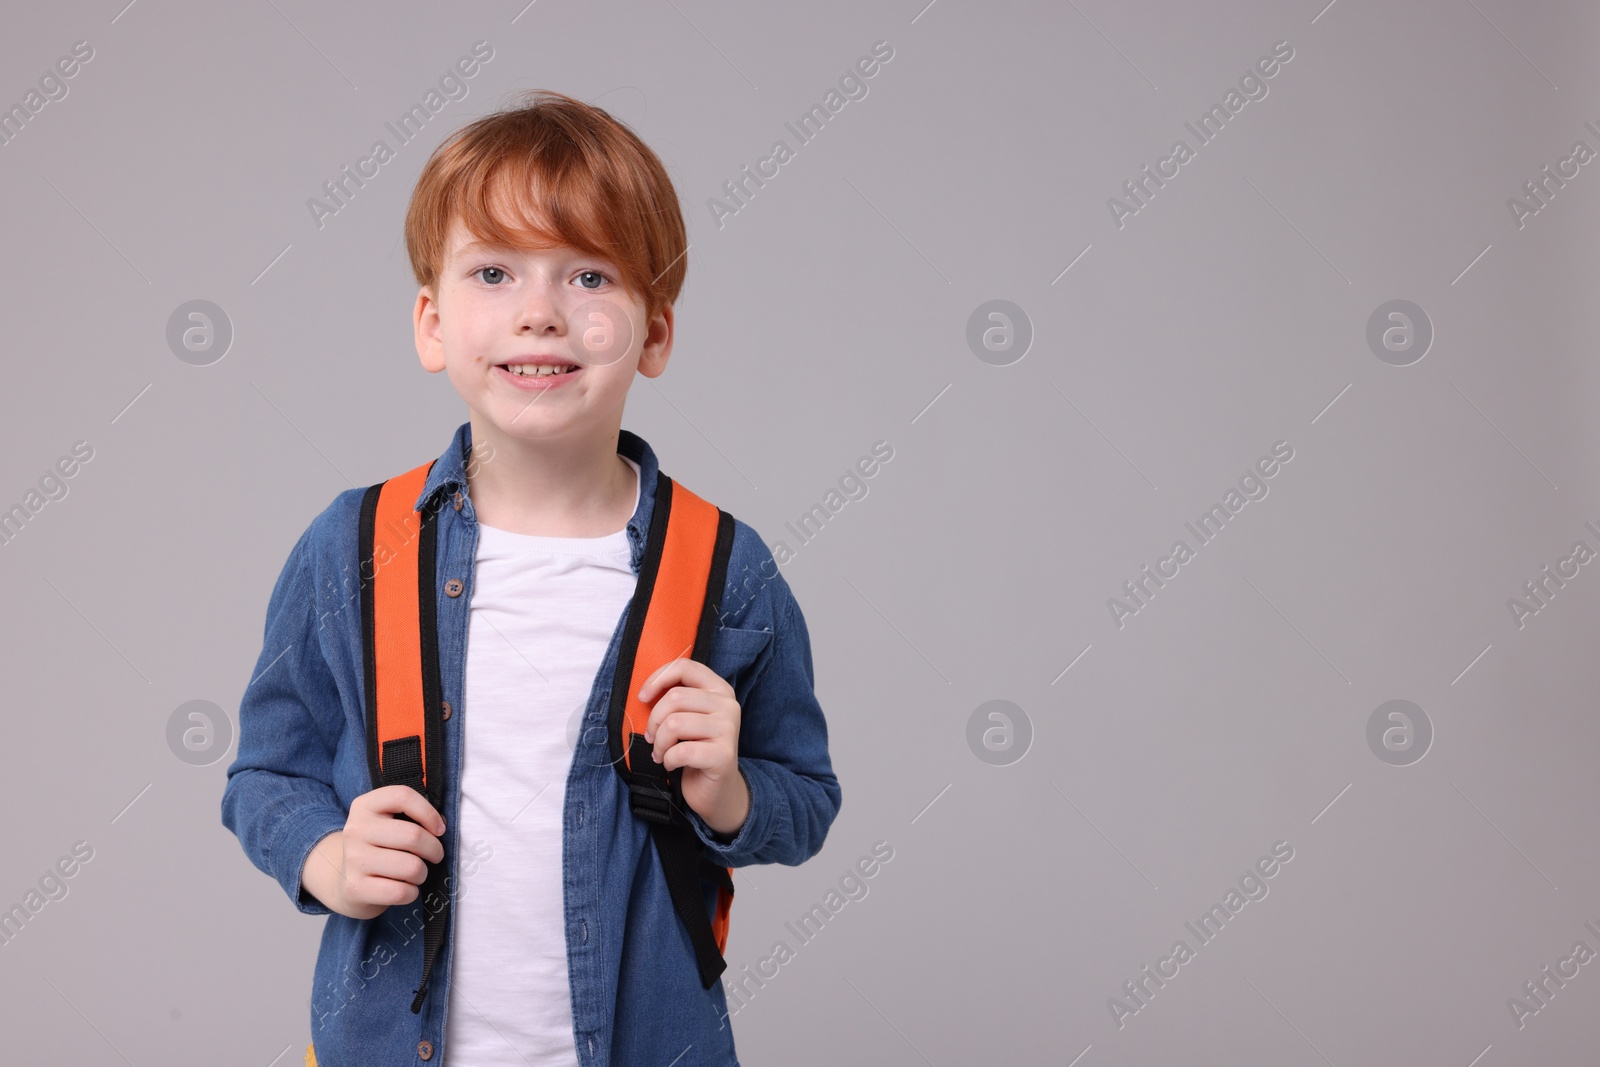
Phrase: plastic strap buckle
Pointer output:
(648, 783)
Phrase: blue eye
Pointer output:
(499, 275)
(596, 273)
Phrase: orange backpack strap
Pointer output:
(400, 652)
(673, 614)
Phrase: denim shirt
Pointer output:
(302, 759)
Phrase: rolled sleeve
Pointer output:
(279, 798)
(768, 805)
(783, 755)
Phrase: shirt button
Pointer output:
(452, 587)
(446, 704)
(425, 1049)
(457, 500)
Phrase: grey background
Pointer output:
(830, 313)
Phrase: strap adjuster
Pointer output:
(650, 802)
(648, 784)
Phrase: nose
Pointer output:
(539, 313)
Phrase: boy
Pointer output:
(548, 236)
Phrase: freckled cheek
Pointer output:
(471, 338)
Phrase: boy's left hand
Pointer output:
(695, 725)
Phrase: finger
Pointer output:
(654, 684)
(681, 698)
(387, 892)
(404, 836)
(392, 864)
(681, 671)
(404, 800)
(702, 755)
(680, 726)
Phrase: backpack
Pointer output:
(673, 612)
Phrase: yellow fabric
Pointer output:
(311, 1057)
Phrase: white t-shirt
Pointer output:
(542, 614)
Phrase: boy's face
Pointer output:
(499, 306)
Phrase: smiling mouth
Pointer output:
(537, 370)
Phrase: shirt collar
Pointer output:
(449, 475)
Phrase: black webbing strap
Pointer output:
(433, 887)
(402, 765)
(683, 858)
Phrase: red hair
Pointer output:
(551, 171)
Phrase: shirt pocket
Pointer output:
(734, 652)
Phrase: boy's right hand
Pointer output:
(381, 857)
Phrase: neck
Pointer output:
(569, 486)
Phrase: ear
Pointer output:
(430, 342)
(657, 344)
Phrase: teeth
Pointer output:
(535, 370)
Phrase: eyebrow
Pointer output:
(475, 248)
